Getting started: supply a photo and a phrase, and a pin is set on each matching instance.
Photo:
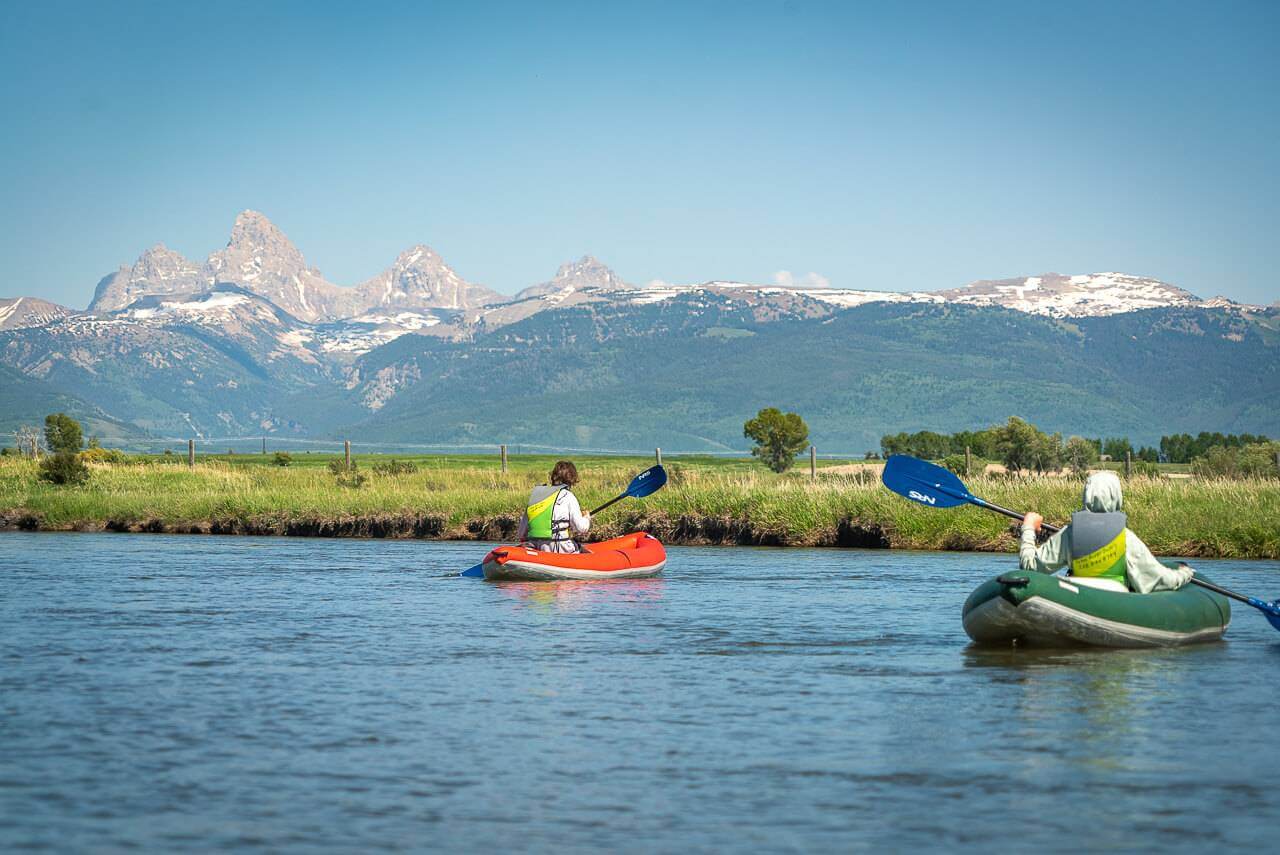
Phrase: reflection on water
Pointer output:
(576, 595)
(182, 693)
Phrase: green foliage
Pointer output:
(97, 454)
(778, 436)
(719, 500)
(1246, 462)
(281, 458)
(1117, 447)
(62, 432)
(1015, 444)
(865, 375)
(928, 445)
(955, 462)
(1183, 448)
(339, 467)
(1079, 454)
(63, 468)
(352, 480)
(394, 467)
(6, 451)
(1146, 469)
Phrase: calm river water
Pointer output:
(188, 693)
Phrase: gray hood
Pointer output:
(1102, 493)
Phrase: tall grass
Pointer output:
(705, 502)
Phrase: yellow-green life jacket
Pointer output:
(1098, 545)
(542, 502)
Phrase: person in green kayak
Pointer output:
(553, 514)
(1098, 544)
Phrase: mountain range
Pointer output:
(253, 340)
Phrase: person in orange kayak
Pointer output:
(553, 514)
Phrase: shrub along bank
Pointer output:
(703, 503)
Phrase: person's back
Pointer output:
(553, 515)
(1099, 545)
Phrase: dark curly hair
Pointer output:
(564, 472)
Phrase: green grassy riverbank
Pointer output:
(708, 501)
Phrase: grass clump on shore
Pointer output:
(706, 501)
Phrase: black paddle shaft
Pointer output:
(608, 503)
(1017, 516)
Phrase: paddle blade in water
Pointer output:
(649, 481)
(923, 482)
(473, 572)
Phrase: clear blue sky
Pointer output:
(881, 145)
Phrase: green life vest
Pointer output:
(542, 502)
(1098, 545)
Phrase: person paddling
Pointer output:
(553, 514)
(1098, 544)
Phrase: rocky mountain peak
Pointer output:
(20, 312)
(419, 279)
(586, 272)
(260, 258)
(159, 270)
(255, 236)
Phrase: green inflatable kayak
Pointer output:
(1037, 608)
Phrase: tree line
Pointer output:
(1022, 447)
(1177, 448)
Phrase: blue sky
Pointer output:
(879, 145)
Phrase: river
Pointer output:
(261, 694)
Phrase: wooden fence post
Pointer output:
(968, 461)
(191, 452)
(264, 446)
(1128, 463)
(346, 450)
(502, 452)
(813, 463)
(657, 455)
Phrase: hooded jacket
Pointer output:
(1102, 495)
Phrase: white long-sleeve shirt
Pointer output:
(565, 510)
(1145, 574)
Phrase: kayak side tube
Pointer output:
(633, 556)
(1037, 608)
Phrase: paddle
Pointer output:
(646, 483)
(932, 485)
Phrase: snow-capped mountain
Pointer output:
(587, 272)
(19, 312)
(260, 258)
(159, 270)
(1087, 295)
(419, 279)
(1049, 294)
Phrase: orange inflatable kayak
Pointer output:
(632, 556)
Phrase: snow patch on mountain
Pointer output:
(21, 312)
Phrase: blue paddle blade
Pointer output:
(923, 482)
(649, 481)
(1271, 610)
(473, 572)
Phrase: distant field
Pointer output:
(708, 500)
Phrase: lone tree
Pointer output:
(63, 432)
(779, 437)
(1080, 454)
